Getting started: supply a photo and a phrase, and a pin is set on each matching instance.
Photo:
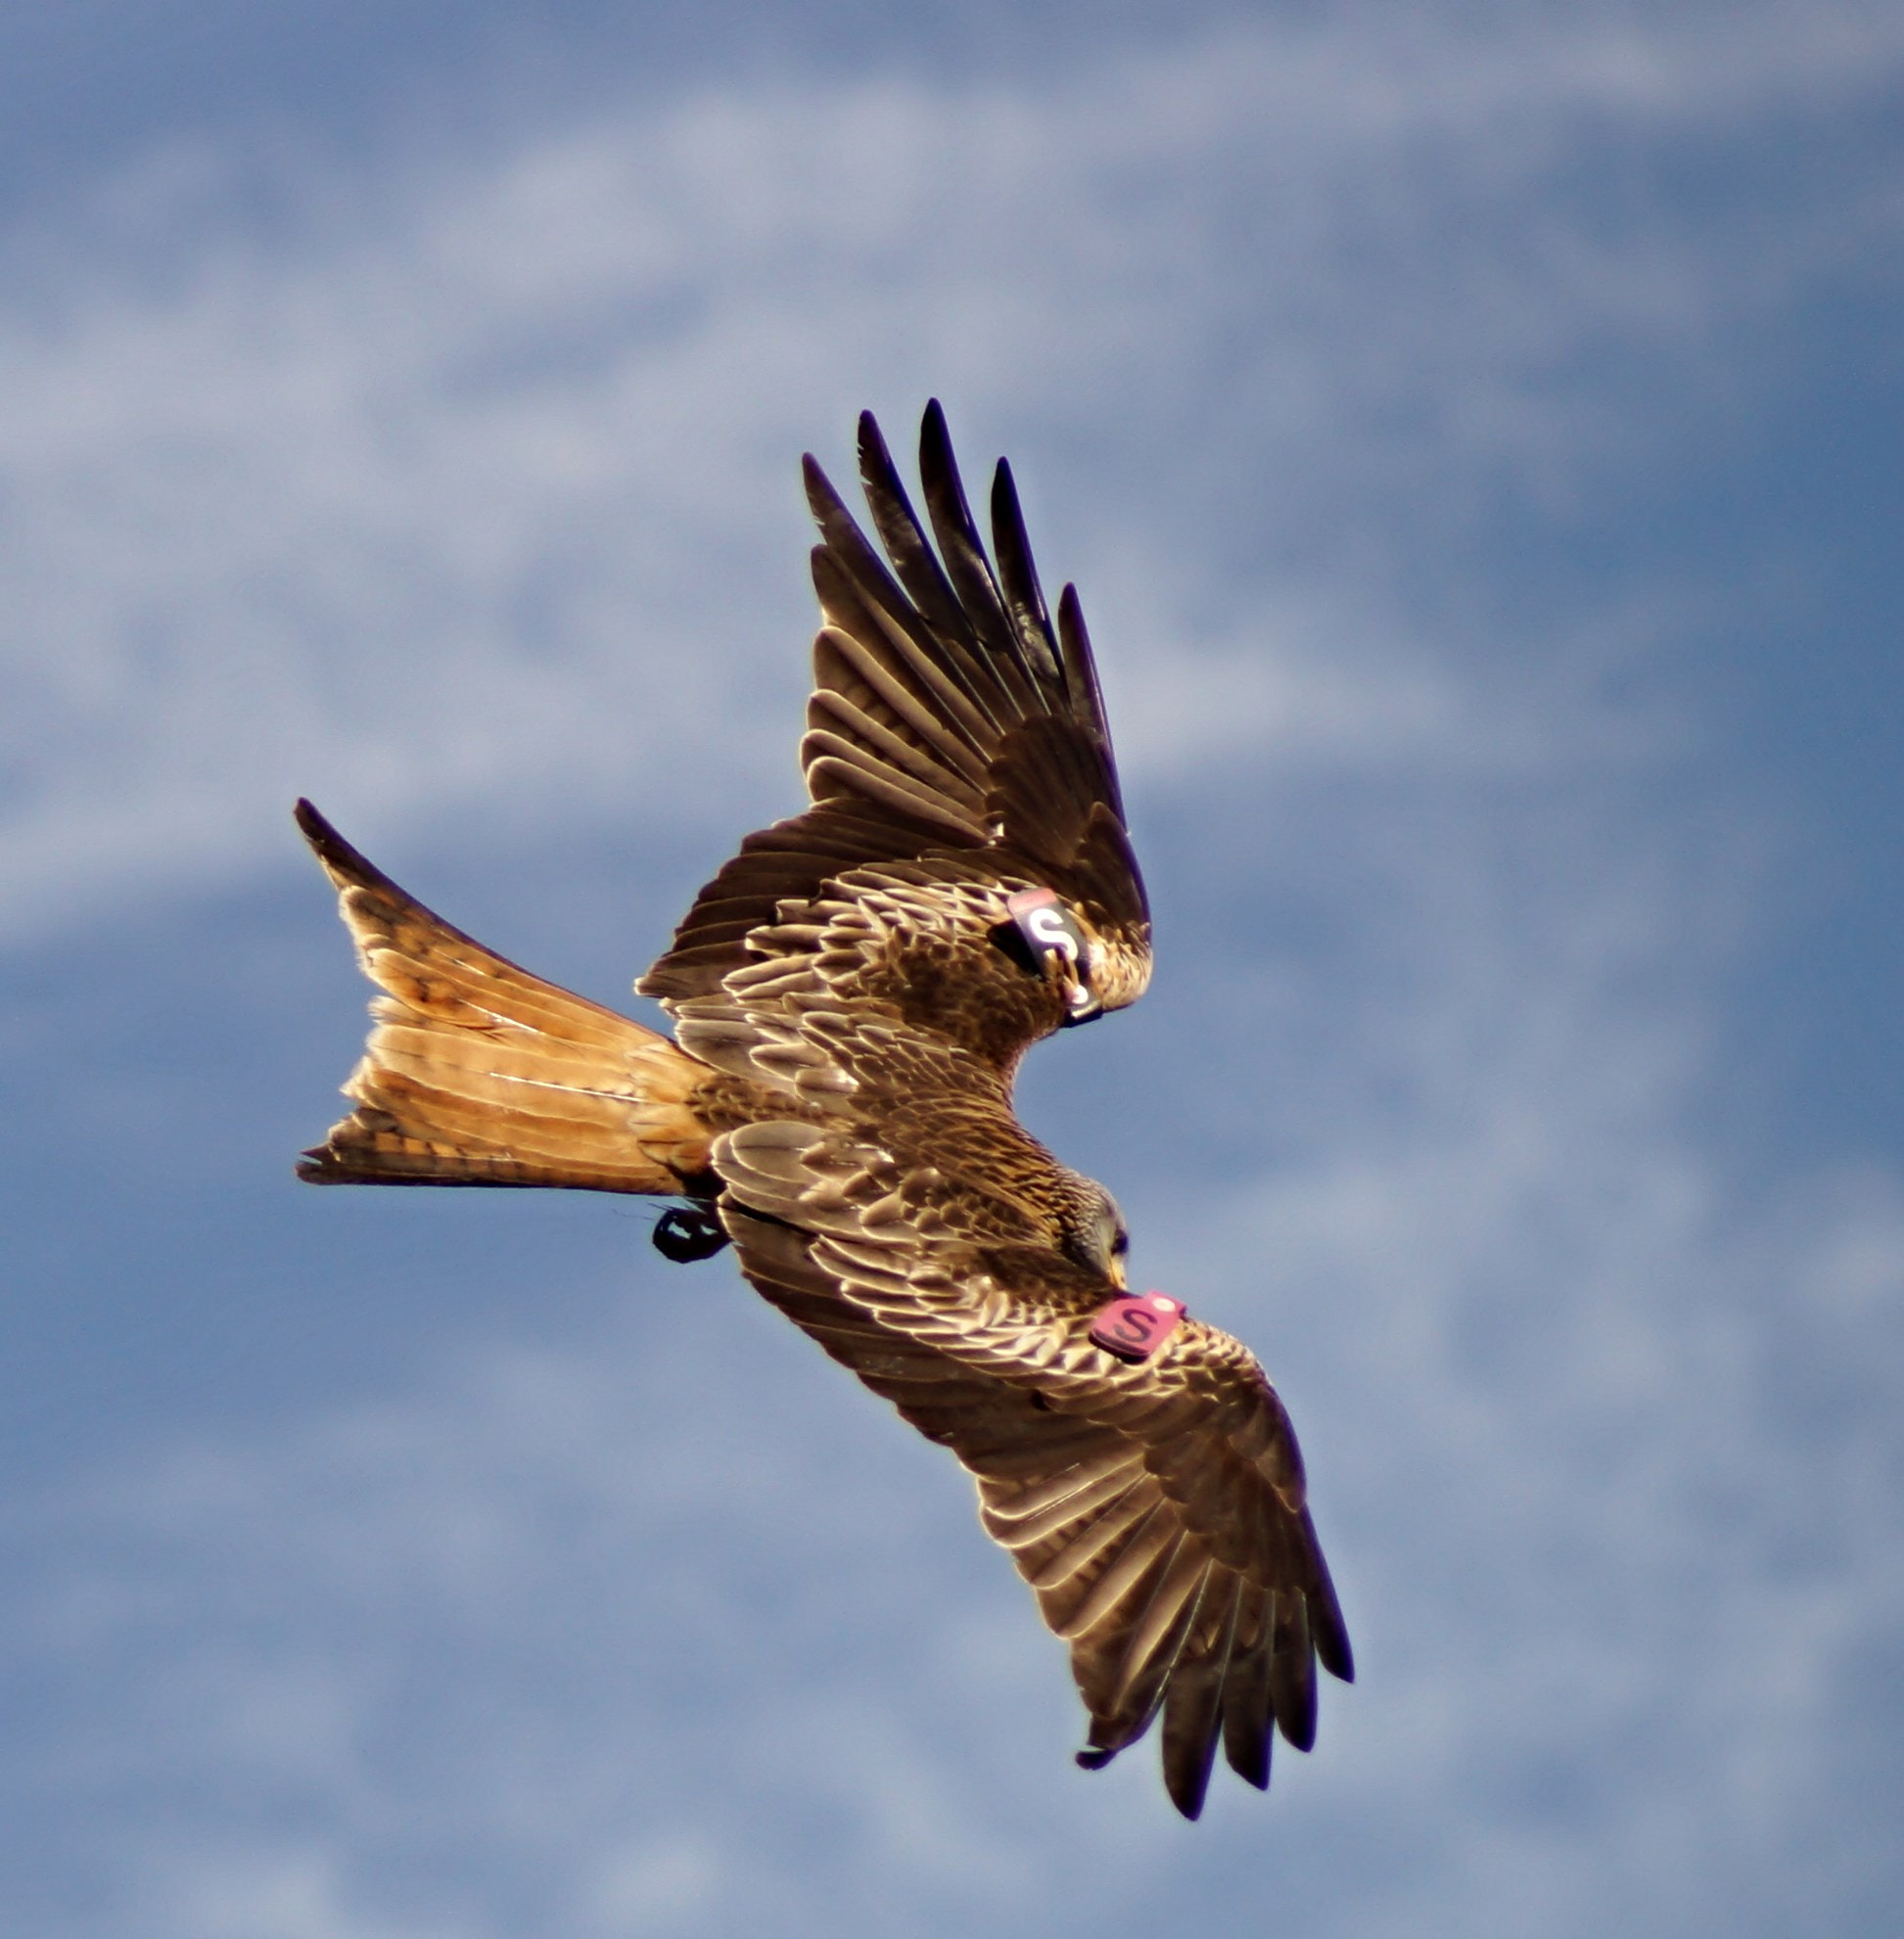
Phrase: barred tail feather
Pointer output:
(477, 1073)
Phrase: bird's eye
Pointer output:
(1120, 1243)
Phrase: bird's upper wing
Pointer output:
(1156, 1510)
(954, 735)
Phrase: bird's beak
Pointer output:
(1117, 1273)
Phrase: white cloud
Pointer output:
(674, 1629)
(470, 483)
(577, 1620)
(467, 478)
(1600, 1433)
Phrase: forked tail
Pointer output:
(477, 1073)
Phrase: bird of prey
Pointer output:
(850, 995)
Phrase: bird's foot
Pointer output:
(686, 1232)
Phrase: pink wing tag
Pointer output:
(1135, 1326)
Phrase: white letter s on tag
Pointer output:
(1050, 930)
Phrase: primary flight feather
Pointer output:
(850, 995)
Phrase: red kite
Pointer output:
(850, 995)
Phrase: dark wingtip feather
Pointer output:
(1186, 1770)
(919, 570)
(1295, 1708)
(1249, 1749)
(315, 828)
(945, 489)
(1337, 1659)
(1024, 597)
(969, 569)
(1326, 1628)
(337, 854)
(1248, 1716)
(1081, 667)
(822, 499)
(873, 454)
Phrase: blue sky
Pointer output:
(1473, 433)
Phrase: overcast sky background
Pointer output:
(1474, 431)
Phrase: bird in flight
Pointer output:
(850, 995)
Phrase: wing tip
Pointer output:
(875, 457)
(822, 501)
(346, 866)
(315, 827)
(1188, 1795)
(1337, 1659)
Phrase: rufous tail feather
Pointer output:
(477, 1073)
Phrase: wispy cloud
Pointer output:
(672, 1627)
(459, 483)
(626, 1717)
(465, 475)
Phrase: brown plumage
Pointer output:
(850, 995)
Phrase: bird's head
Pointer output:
(1095, 1232)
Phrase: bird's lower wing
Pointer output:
(1158, 1521)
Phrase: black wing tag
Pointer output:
(1050, 935)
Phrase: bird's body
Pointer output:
(851, 997)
